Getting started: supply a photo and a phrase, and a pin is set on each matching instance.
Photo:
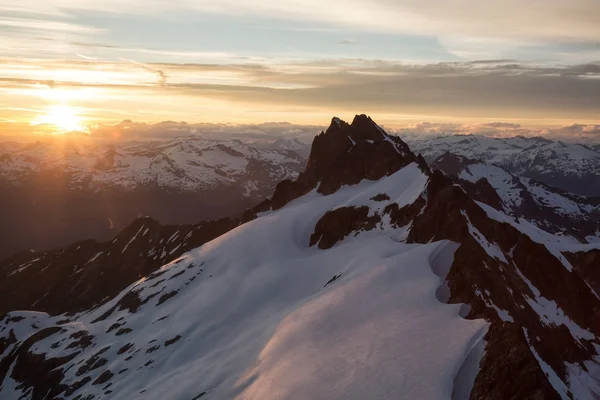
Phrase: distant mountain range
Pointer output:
(50, 186)
(547, 208)
(57, 191)
(568, 166)
(372, 274)
(182, 164)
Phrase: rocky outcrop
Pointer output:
(587, 263)
(451, 164)
(339, 223)
(345, 154)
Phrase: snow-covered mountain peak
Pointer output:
(346, 284)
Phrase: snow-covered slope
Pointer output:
(251, 315)
(569, 166)
(370, 276)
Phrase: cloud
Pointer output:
(540, 20)
(588, 134)
(88, 58)
(94, 45)
(128, 129)
(162, 77)
(46, 25)
(347, 42)
(505, 125)
(507, 18)
(458, 90)
(582, 133)
(577, 130)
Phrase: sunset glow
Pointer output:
(62, 119)
(246, 62)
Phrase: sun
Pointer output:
(64, 118)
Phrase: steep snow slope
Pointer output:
(569, 166)
(256, 314)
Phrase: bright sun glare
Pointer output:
(64, 118)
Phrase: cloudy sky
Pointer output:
(73, 64)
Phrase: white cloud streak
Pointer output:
(532, 20)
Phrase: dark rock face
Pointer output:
(339, 223)
(34, 370)
(85, 274)
(508, 357)
(43, 218)
(482, 191)
(451, 164)
(587, 263)
(345, 155)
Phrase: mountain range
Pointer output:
(569, 166)
(49, 186)
(372, 274)
(60, 190)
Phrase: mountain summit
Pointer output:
(345, 154)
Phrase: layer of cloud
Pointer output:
(503, 90)
(581, 133)
(270, 131)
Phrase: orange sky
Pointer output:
(72, 64)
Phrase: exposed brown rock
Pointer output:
(339, 223)
(509, 370)
(474, 270)
(380, 197)
(125, 348)
(172, 341)
(498, 288)
(587, 263)
(35, 370)
(546, 216)
(93, 362)
(103, 378)
(480, 280)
